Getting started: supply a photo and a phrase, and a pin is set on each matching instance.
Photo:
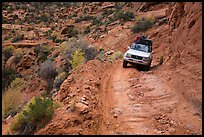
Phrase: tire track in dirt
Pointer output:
(138, 102)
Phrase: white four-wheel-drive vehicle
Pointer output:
(140, 52)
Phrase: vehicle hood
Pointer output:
(138, 53)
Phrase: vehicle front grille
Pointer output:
(136, 57)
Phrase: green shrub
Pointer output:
(8, 75)
(59, 80)
(42, 52)
(16, 39)
(142, 25)
(8, 51)
(87, 30)
(37, 50)
(125, 16)
(107, 12)
(115, 56)
(84, 18)
(96, 22)
(44, 18)
(38, 111)
(4, 6)
(73, 33)
(18, 83)
(18, 55)
(77, 58)
(7, 37)
(41, 57)
(11, 100)
(101, 55)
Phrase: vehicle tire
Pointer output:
(125, 64)
(147, 67)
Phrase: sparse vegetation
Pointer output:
(8, 51)
(16, 39)
(7, 37)
(8, 75)
(87, 30)
(101, 55)
(107, 12)
(48, 73)
(142, 25)
(11, 100)
(12, 97)
(37, 112)
(42, 51)
(84, 18)
(18, 55)
(126, 16)
(59, 79)
(115, 56)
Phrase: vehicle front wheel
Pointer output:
(125, 64)
(147, 67)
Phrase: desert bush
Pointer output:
(107, 12)
(8, 75)
(87, 30)
(4, 6)
(11, 100)
(37, 112)
(142, 25)
(8, 51)
(16, 39)
(11, 8)
(42, 52)
(44, 18)
(59, 80)
(161, 60)
(89, 51)
(7, 37)
(115, 56)
(118, 5)
(18, 55)
(37, 49)
(126, 16)
(101, 55)
(48, 72)
(77, 58)
(73, 33)
(84, 18)
(18, 83)
(41, 57)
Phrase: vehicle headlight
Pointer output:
(127, 55)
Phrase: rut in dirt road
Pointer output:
(138, 102)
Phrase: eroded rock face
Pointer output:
(176, 15)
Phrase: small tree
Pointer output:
(77, 58)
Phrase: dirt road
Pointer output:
(141, 102)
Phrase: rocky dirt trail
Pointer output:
(142, 102)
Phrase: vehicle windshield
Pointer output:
(140, 47)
